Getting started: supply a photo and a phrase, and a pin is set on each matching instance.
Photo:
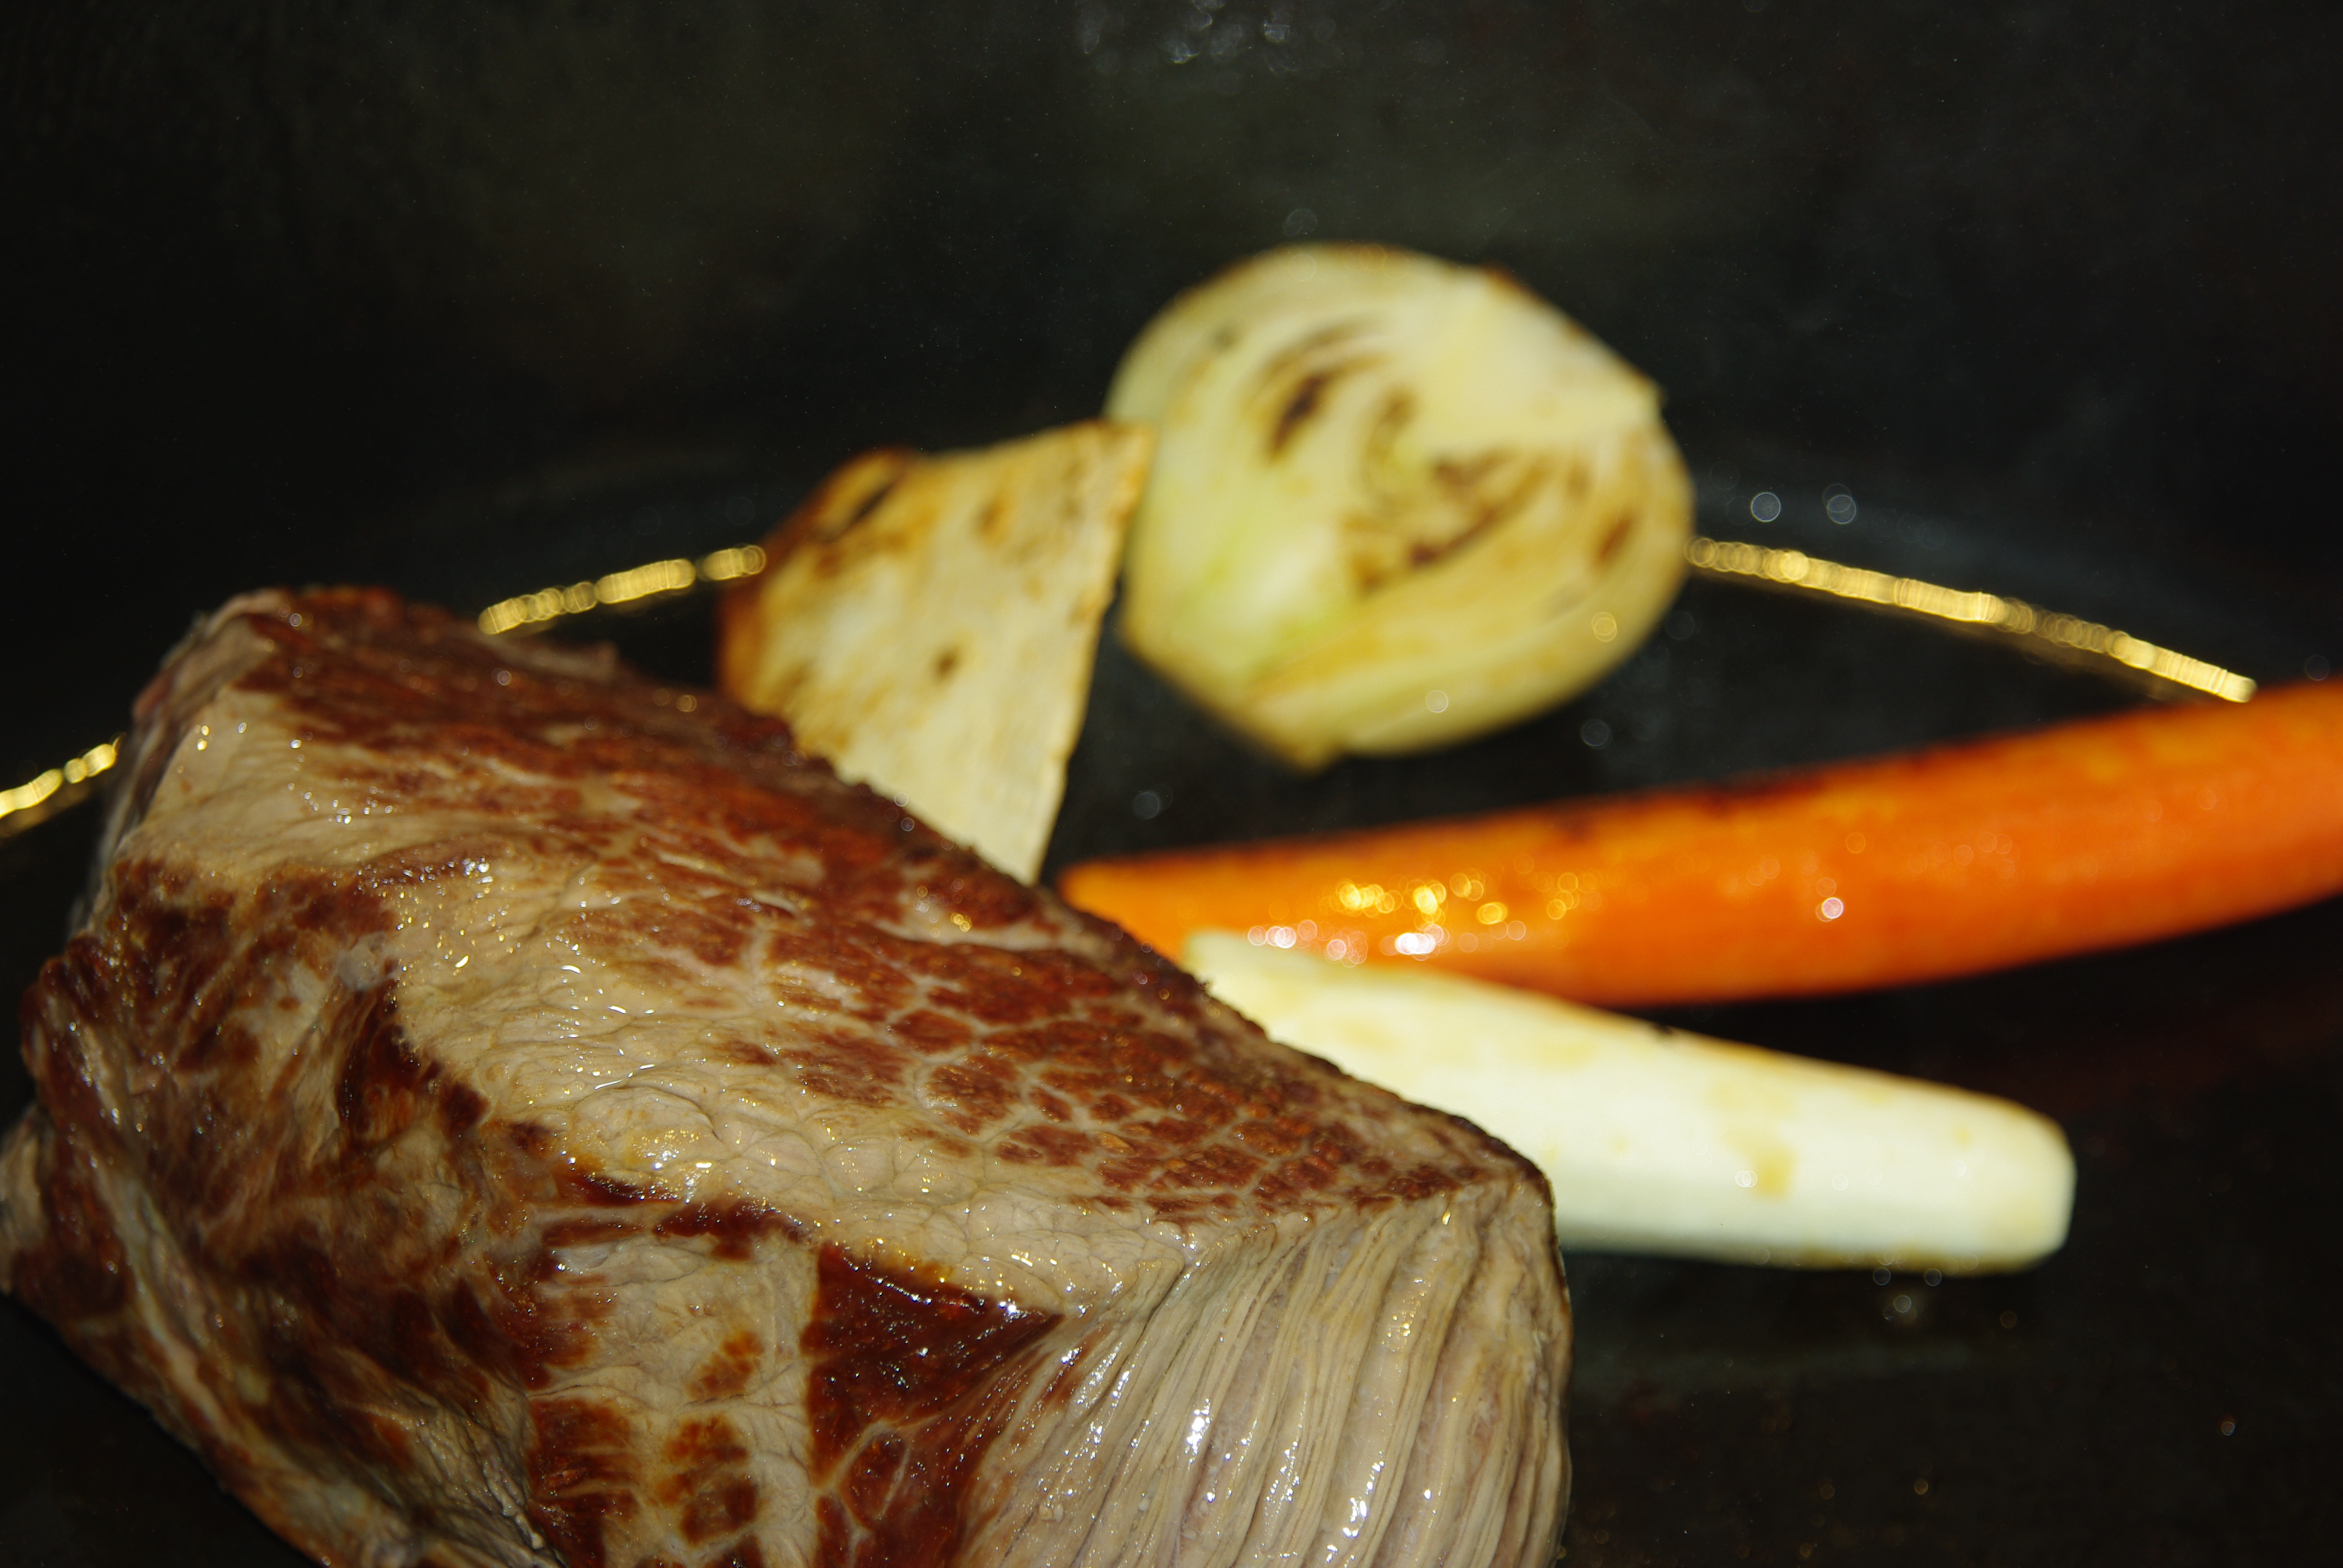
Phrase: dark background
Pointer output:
(305, 290)
(472, 300)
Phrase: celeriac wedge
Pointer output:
(1658, 1141)
(1396, 502)
(928, 624)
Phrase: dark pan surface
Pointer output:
(316, 293)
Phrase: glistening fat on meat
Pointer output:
(499, 1118)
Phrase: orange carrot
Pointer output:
(1943, 862)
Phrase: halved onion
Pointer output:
(1396, 502)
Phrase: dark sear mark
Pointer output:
(582, 1471)
(1307, 396)
(861, 510)
(1463, 475)
(1414, 517)
(910, 1381)
(1295, 405)
(77, 1270)
(1302, 348)
(1614, 539)
(886, 1346)
(726, 1372)
(988, 521)
(707, 1485)
(735, 1224)
(1300, 405)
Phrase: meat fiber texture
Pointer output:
(498, 1110)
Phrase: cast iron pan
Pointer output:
(470, 303)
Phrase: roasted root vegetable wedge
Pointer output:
(927, 624)
(1658, 1142)
(1943, 862)
(1396, 502)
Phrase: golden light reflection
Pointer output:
(58, 788)
(53, 790)
(629, 587)
(2065, 636)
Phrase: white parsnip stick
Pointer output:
(1659, 1142)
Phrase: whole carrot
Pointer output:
(1943, 863)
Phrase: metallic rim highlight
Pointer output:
(2064, 635)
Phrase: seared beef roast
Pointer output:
(502, 1112)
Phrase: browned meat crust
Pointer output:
(501, 1110)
